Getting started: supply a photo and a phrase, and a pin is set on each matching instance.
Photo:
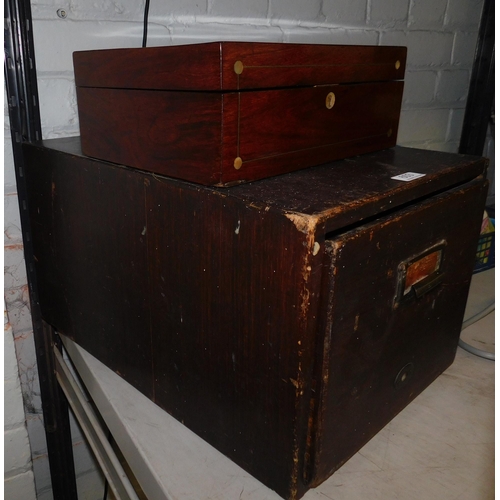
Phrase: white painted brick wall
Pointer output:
(423, 125)
(453, 86)
(28, 373)
(13, 404)
(9, 176)
(420, 87)
(14, 267)
(331, 36)
(17, 302)
(17, 453)
(38, 444)
(20, 487)
(427, 14)
(12, 220)
(54, 53)
(345, 13)
(463, 14)
(58, 104)
(464, 48)
(306, 11)
(389, 13)
(425, 48)
(455, 125)
(441, 38)
(230, 8)
(18, 471)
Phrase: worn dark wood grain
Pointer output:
(90, 254)
(345, 192)
(236, 319)
(228, 307)
(210, 66)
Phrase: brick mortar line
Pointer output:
(14, 427)
(197, 20)
(8, 477)
(447, 106)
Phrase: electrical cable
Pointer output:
(476, 317)
(145, 29)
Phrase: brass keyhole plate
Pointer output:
(238, 67)
(330, 100)
(238, 162)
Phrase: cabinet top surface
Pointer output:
(338, 193)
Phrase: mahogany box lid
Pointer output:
(223, 66)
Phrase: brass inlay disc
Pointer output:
(398, 64)
(238, 67)
(389, 132)
(238, 162)
(330, 100)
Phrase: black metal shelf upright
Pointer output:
(482, 86)
(25, 126)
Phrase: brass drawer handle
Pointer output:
(426, 285)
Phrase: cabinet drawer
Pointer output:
(396, 294)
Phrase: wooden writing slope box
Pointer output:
(229, 112)
(285, 321)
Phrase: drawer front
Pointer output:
(397, 290)
(275, 131)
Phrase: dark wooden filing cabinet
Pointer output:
(285, 321)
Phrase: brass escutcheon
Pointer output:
(389, 132)
(330, 100)
(237, 163)
(398, 64)
(238, 67)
